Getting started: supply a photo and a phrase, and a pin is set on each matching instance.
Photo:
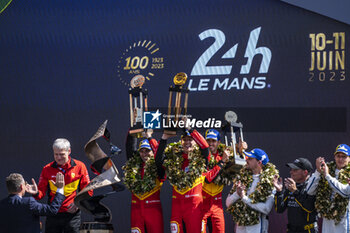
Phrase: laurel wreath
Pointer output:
(328, 207)
(132, 174)
(4, 4)
(242, 214)
(226, 175)
(173, 166)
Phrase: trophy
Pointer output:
(107, 176)
(234, 128)
(138, 103)
(179, 81)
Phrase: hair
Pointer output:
(14, 182)
(61, 144)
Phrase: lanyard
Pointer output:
(62, 170)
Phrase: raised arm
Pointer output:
(45, 209)
(160, 155)
(130, 146)
(315, 177)
(152, 142)
(216, 170)
(201, 142)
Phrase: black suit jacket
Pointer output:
(21, 215)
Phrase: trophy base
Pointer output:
(170, 131)
(236, 165)
(240, 161)
(233, 168)
(136, 132)
(96, 227)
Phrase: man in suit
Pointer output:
(20, 214)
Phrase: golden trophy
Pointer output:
(138, 104)
(234, 129)
(176, 112)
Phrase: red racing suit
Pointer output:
(76, 178)
(146, 209)
(187, 204)
(212, 199)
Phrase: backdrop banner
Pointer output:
(66, 66)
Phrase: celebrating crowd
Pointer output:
(198, 168)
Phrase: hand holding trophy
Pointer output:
(138, 104)
(179, 81)
(238, 160)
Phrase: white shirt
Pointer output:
(263, 207)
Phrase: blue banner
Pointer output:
(66, 66)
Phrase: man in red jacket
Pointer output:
(186, 209)
(212, 192)
(146, 208)
(76, 178)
